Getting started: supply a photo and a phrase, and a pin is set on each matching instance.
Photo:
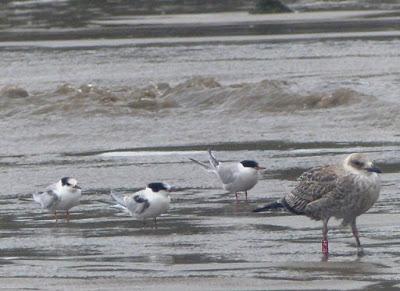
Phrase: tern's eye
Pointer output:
(358, 164)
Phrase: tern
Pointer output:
(235, 177)
(150, 202)
(60, 196)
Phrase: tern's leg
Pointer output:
(325, 247)
(67, 217)
(55, 215)
(155, 222)
(236, 195)
(245, 192)
(354, 229)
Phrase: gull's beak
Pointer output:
(77, 187)
(374, 169)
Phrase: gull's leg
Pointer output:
(325, 246)
(354, 229)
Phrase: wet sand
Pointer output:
(182, 284)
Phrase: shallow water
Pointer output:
(119, 114)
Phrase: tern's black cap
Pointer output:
(157, 186)
(249, 164)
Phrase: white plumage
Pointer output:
(235, 177)
(60, 196)
(150, 202)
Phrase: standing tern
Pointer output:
(235, 177)
(60, 196)
(150, 202)
(342, 191)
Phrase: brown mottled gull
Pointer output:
(342, 191)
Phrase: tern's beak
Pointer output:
(260, 168)
(77, 187)
(374, 169)
(172, 189)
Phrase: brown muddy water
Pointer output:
(117, 114)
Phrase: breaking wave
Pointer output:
(199, 93)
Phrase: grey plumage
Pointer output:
(213, 160)
(342, 191)
(235, 177)
(143, 202)
(119, 198)
(47, 199)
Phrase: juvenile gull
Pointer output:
(342, 191)
(235, 177)
(150, 202)
(60, 196)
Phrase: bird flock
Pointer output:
(343, 191)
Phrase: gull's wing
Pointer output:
(313, 185)
(46, 199)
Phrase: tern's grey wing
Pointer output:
(47, 199)
(143, 202)
(137, 203)
(52, 187)
(227, 173)
(312, 185)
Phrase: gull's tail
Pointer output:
(274, 205)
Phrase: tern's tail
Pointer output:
(118, 197)
(213, 160)
(205, 166)
(274, 205)
(36, 197)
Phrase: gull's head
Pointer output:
(360, 164)
(159, 187)
(70, 183)
(251, 165)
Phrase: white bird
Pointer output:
(150, 202)
(60, 196)
(235, 177)
(343, 191)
